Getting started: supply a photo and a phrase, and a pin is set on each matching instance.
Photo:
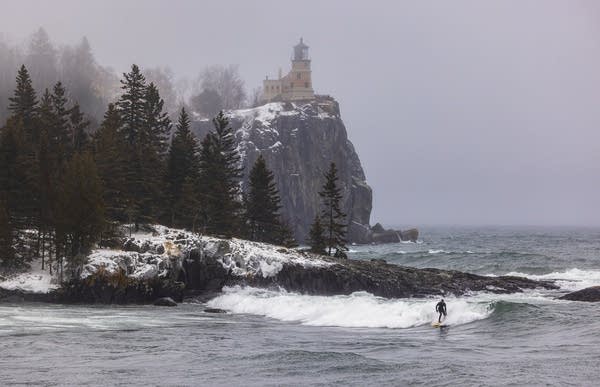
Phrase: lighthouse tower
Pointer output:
(297, 84)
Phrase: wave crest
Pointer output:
(357, 310)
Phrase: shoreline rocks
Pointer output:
(591, 294)
(176, 263)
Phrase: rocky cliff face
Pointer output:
(299, 141)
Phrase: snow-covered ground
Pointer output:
(35, 280)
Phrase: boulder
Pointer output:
(165, 301)
(591, 294)
(411, 235)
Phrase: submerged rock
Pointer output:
(591, 294)
(165, 301)
(214, 310)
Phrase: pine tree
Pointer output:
(131, 108)
(110, 153)
(285, 235)
(316, 240)
(81, 218)
(48, 170)
(262, 204)
(14, 190)
(7, 251)
(188, 206)
(182, 167)
(332, 215)
(151, 152)
(61, 142)
(79, 125)
(24, 109)
(220, 176)
(157, 124)
(23, 103)
(132, 103)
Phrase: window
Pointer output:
(292, 85)
(299, 76)
(306, 84)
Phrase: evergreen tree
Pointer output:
(110, 153)
(332, 215)
(7, 251)
(132, 103)
(59, 135)
(131, 108)
(48, 170)
(151, 152)
(157, 124)
(82, 209)
(220, 175)
(24, 119)
(23, 103)
(316, 240)
(188, 205)
(79, 125)
(14, 189)
(18, 173)
(182, 167)
(262, 204)
(285, 235)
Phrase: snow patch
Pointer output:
(34, 281)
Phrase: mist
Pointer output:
(462, 113)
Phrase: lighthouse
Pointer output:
(297, 84)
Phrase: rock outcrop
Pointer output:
(319, 275)
(591, 294)
(299, 141)
(380, 235)
(170, 263)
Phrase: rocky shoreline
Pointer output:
(173, 263)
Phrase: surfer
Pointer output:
(441, 309)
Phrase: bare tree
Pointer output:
(163, 77)
(226, 82)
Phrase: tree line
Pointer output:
(64, 186)
(216, 87)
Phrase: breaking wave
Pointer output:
(571, 279)
(357, 310)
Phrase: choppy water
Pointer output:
(279, 338)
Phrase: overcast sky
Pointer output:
(462, 112)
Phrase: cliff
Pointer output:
(299, 141)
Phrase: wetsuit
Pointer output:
(441, 309)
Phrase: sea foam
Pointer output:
(571, 279)
(357, 310)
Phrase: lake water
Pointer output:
(271, 337)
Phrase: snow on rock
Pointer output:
(154, 254)
(252, 258)
(35, 280)
(145, 255)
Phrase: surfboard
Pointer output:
(439, 325)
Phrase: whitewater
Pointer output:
(275, 337)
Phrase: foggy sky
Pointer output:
(462, 112)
